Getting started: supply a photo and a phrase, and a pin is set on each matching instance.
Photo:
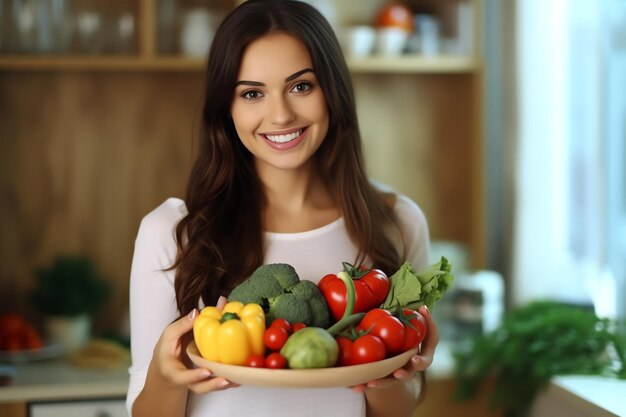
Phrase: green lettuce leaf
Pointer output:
(412, 289)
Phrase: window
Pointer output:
(564, 127)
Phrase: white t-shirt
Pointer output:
(313, 254)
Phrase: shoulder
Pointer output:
(403, 207)
(408, 210)
(162, 221)
(411, 224)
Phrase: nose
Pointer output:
(281, 111)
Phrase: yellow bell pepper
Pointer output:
(230, 336)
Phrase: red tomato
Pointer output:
(345, 351)
(275, 361)
(256, 361)
(282, 323)
(371, 285)
(413, 336)
(388, 328)
(395, 15)
(31, 338)
(298, 326)
(364, 349)
(275, 337)
(12, 324)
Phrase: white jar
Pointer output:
(197, 33)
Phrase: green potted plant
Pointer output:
(535, 343)
(67, 294)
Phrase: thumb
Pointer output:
(184, 324)
(221, 302)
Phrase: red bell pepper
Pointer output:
(371, 286)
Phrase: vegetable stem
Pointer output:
(345, 322)
(348, 316)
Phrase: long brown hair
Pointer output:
(220, 241)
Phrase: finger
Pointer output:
(382, 383)
(415, 364)
(221, 302)
(432, 334)
(186, 377)
(359, 388)
(212, 384)
(177, 329)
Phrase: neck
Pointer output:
(290, 190)
(295, 200)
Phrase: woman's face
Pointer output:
(278, 108)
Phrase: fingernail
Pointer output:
(205, 374)
(223, 383)
(415, 361)
(192, 315)
(427, 309)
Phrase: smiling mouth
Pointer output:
(284, 138)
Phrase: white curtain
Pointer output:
(569, 115)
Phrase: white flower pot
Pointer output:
(72, 333)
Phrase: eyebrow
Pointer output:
(290, 78)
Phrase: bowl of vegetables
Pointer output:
(350, 328)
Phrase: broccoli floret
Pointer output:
(278, 289)
(306, 290)
(258, 288)
(319, 309)
(289, 307)
(285, 274)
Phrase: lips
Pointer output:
(286, 140)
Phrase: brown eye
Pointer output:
(251, 94)
(302, 87)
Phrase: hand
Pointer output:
(417, 363)
(172, 370)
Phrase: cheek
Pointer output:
(244, 119)
(316, 110)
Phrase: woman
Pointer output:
(279, 178)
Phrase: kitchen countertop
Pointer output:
(55, 379)
(590, 395)
(600, 395)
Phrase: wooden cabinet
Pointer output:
(13, 410)
(147, 53)
(91, 143)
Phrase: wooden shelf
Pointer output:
(98, 63)
(404, 64)
(412, 64)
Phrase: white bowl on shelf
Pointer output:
(391, 41)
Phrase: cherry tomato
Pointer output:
(275, 337)
(282, 323)
(365, 349)
(413, 336)
(368, 348)
(275, 361)
(256, 361)
(345, 351)
(298, 326)
(387, 327)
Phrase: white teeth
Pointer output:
(284, 138)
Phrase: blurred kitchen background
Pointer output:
(505, 120)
